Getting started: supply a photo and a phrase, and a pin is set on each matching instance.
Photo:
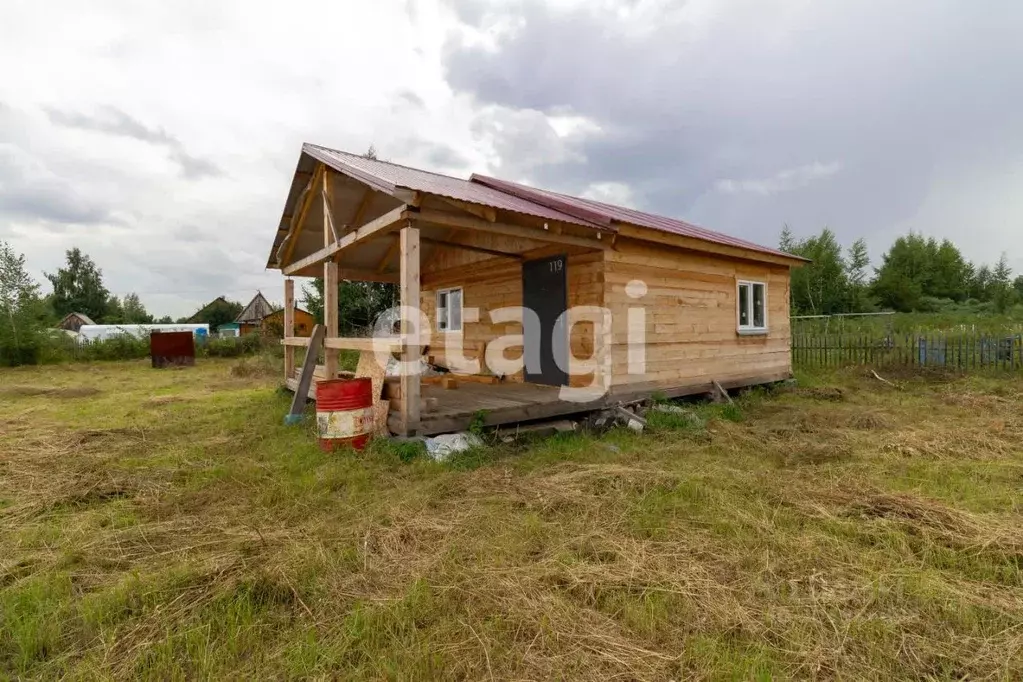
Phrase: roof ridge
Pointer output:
(386, 163)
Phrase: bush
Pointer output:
(231, 347)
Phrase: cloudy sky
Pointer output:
(160, 137)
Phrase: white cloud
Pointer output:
(782, 181)
(161, 138)
(617, 193)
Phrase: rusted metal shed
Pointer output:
(172, 349)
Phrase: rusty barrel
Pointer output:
(344, 413)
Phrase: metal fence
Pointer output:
(960, 351)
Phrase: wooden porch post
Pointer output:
(409, 258)
(330, 311)
(289, 327)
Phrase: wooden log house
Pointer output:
(707, 307)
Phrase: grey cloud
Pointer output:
(194, 233)
(888, 93)
(408, 98)
(113, 121)
(28, 191)
(434, 156)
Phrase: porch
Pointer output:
(342, 221)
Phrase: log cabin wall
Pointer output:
(489, 283)
(690, 308)
(691, 317)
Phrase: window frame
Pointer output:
(444, 325)
(750, 329)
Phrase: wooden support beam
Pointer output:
(362, 343)
(388, 255)
(470, 223)
(373, 228)
(331, 230)
(693, 244)
(351, 274)
(360, 210)
(330, 316)
(409, 251)
(488, 213)
(289, 326)
(475, 249)
(297, 223)
(370, 343)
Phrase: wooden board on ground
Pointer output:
(306, 377)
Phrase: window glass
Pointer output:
(442, 310)
(455, 310)
(744, 301)
(758, 306)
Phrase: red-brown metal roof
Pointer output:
(510, 196)
(608, 213)
(387, 177)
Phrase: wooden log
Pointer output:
(373, 228)
(409, 258)
(330, 316)
(289, 326)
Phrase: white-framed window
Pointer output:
(449, 310)
(752, 312)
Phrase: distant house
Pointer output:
(251, 317)
(72, 322)
(206, 312)
(229, 329)
(273, 324)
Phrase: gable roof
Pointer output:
(256, 310)
(280, 311)
(196, 315)
(81, 316)
(390, 177)
(483, 190)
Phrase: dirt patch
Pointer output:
(936, 375)
(830, 393)
(159, 400)
(977, 401)
(30, 391)
(868, 421)
(813, 454)
(260, 366)
(93, 497)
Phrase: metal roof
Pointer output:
(599, 211)
(387, 177)
(510, 196)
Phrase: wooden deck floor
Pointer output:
(504, 403)
(510, 402)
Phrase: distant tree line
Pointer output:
(28, 318)
(359, 303)
(916, 274)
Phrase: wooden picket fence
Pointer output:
(963, 351)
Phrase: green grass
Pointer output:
(164, 524)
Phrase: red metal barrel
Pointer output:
(344, 413)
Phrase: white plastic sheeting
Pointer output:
(101, 332)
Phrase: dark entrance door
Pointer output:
(545, 292)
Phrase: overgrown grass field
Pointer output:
(164, 524)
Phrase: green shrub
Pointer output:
(232, 347)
